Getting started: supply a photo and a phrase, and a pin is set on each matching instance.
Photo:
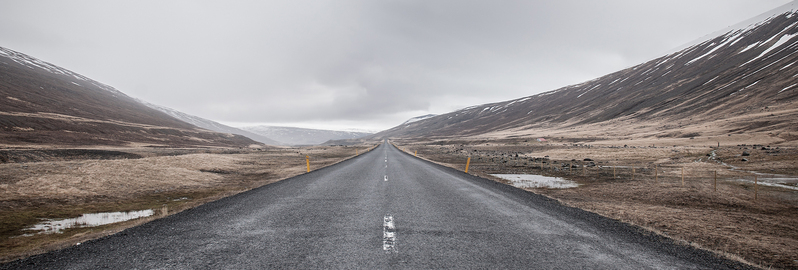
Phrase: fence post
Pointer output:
(613, 172)
(656, 173)
(715, 184)
(756, 187)
(682, 176)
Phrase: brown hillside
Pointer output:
(739, 82)
(43, 104)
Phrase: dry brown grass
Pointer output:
(729, 221)
(166, 180)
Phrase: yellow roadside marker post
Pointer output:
(468, 162)
(307, 160)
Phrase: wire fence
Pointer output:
(664, 176)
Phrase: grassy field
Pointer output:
(54, 185)
(736, 219)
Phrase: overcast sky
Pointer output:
(352, 64)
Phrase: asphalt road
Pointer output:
(383, 209)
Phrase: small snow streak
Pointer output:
(788, 87)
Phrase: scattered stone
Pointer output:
(587, 159)
(745, 159)
(745, 153)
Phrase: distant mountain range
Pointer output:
(210, 125)
(744, 80)
(270, 135)
(303, 136)
(42, 104)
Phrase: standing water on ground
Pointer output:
(88, 220)
(536, 181)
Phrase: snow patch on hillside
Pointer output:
(34, 63)
(419, 118)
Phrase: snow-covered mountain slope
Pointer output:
(303, 136)
(33, 63)
(747, 24)
(210, 125)
(44, 104)
(735, 76)
(418, 118)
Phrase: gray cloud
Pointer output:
(368, 64)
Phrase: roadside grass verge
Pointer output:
(162, 181)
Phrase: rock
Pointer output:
(745, 153)
(745, 159)
(587, 159)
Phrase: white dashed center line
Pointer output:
(388, 234)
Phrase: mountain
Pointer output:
(744, 80)
(210, 125)
(42, 104)
(303, 136)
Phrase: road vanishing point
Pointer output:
(382, 209)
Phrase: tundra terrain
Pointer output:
(52, 184)
(733, 216)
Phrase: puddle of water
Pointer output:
(763, 183)
(88, 220)
(536, 181)
(766, 179)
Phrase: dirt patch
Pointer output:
(165, 180)
(643, 185)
